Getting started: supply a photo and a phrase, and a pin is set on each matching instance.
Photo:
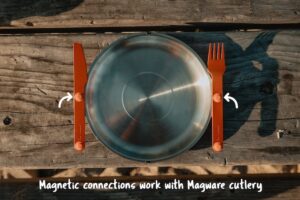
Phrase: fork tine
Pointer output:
(219, 51)
(222, 52)
(214, 52)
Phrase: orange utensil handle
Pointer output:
(80, 79)
(217, 112)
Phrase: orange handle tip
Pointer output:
(78, 146)
(217, 147)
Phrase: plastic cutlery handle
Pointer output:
(217, 112)
(80, 79)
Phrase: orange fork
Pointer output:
(216, 67)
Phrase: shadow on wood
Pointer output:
(15, 9)
(251, 77)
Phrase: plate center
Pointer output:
(147, 97)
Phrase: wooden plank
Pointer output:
(273, 187)
(114, 13)
(263, 74)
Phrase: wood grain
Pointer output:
(262, 73)
(114, 13)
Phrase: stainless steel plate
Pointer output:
(148, 97)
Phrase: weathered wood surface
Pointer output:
(275, 188)
(262, 73)
(99, 13)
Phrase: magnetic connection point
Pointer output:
(78, 97)
(217, 98)
(217, 147)
(78, 146)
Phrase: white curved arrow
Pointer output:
(228, 98)
(68, 98)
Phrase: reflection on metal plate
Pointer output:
(148, 97)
